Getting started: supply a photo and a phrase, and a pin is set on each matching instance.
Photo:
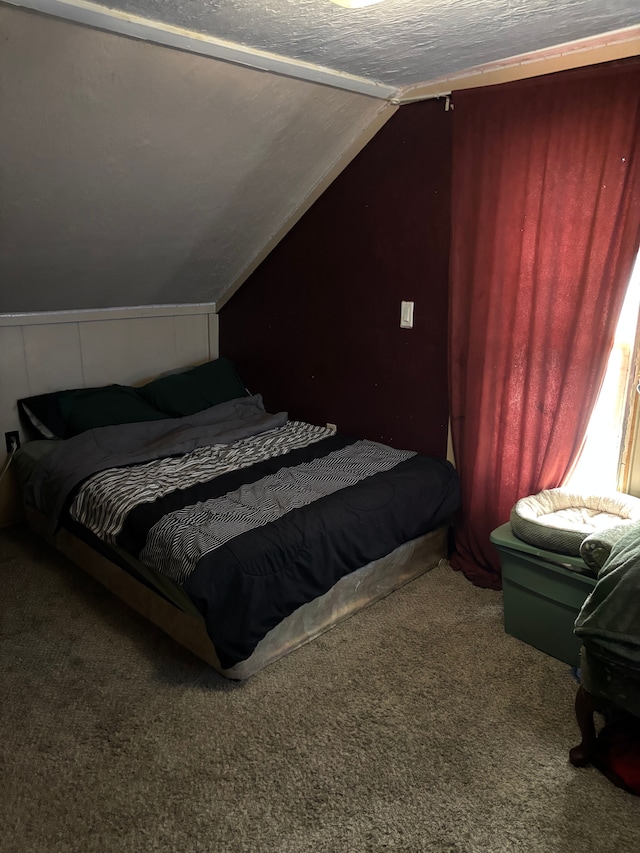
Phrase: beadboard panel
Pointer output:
(74, 352)
(141, 347)
(52, 353)
(14, 376)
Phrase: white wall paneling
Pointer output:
(52, 352)
(214, 325)
(14, 377)
(141, 347)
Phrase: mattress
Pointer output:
(260, 531)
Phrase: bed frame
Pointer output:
(352, 593)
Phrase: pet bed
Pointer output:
(560, 519)
(241, 533)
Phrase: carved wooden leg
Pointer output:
(586, 705)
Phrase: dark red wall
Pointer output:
(316, 328)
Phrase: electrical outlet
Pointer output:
(13, 440)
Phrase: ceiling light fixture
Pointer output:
(355, 4)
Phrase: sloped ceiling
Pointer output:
(135, 173)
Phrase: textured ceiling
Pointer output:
(396, 42)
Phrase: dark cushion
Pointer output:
(63, 414)
(41, 415)
(88, 408)
(194, 390)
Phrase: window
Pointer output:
(607, 461)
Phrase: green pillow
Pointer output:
(194, 390)
(63, 414)
(88, 408)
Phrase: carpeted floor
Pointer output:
(418, 725)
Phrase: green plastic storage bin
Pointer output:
(541, 597)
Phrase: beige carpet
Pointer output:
(418, 725)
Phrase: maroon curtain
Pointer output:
(545, 229)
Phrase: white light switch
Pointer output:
(406, 315)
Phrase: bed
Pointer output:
(241, 533)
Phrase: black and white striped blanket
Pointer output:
(179, 539)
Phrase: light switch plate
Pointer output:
(406, 315)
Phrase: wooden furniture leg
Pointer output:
(586, 705)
